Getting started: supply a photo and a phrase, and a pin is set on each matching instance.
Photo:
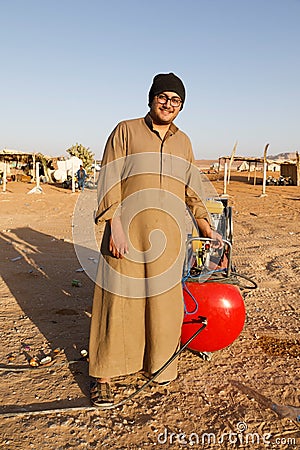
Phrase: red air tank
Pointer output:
(223, 307)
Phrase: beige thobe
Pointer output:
(138, 306)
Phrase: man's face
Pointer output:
(162, 112)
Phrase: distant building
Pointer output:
(291, 170)
(273, 167)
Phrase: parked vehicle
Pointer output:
(285, 181)
(281, 181)
(271, 181)
(67, 184)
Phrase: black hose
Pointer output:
(156, 374)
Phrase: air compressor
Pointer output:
(212, 287)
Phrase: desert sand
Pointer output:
(226, 402)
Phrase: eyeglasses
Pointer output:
(174, 101)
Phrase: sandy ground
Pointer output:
(222, 403)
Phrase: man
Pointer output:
(81, 176)
(147, 177)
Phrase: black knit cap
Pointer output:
(164, 82)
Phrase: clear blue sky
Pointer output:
(71, 70)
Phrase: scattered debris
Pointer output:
(93, 259)
(26, 347)
(34, 362)
(11, 357)
(66, 293)
(45, 360)
(16, 258)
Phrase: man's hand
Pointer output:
(118, 243)
(218, 238)
(206, 231)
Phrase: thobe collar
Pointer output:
(149, 122)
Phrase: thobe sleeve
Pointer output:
(109, 181)
(194, 191)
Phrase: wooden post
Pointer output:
(298, 169)
(33, 168)
(73, 175)
(231, 160)
(265, 172)
(37, 189)
(225, 179)
(254, 178)
(4, 177)
(37, 175)
(219, 168)
(95, 172)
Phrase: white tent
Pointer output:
(244, 167)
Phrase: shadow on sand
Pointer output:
(38, 270)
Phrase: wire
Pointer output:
(232, 279)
